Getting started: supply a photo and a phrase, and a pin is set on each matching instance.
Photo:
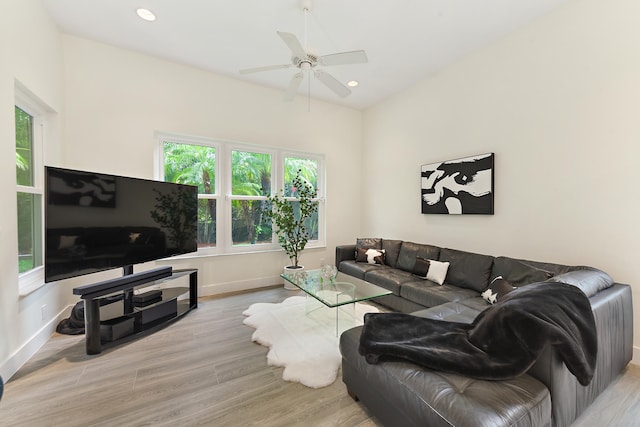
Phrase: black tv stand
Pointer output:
(106, 324)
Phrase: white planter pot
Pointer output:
(288, 270)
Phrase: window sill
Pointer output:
(31, 281)
(217, 254)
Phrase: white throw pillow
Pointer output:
(437, 271)
(375, 256)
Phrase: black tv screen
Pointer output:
(96, 221)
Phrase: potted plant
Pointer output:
(288, 216)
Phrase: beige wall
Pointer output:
(558, 103)
(30, 52)
(116, 99)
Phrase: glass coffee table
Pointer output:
(330, 289)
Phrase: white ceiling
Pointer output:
(405, 40)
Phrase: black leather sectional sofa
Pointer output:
(400, 393)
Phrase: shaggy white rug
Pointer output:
(306, 346)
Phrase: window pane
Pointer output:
(308, 171)
(29, 231)
(250, 174)
(190, 164)
(206, 223)
(247, 227)
(24, 148)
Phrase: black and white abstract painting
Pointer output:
(460, 186)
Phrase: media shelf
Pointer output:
(113, 316)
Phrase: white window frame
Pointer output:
(223, 181)
(229, 148)
(31, 280)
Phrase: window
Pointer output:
(234, 181)
(309, 172)
(195, 165)
(28, 134)
(250, 185)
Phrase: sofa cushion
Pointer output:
(452, 311)
(356, 269)
(369, 242)
(389, 278)
(430, 294)
(588, 280)
(497, 289)
(409, 251)
(517, 272)
(392, 248)
(466, 269)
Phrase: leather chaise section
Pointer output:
(418, 396)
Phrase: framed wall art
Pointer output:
(460, 186)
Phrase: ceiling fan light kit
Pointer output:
(307, 61)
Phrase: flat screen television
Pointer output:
(96, 221)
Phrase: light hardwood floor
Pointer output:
(204, 370)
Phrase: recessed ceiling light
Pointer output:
(146, 14)
(352, 83)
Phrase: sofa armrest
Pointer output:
(345, 253)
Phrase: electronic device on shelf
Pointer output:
(96, 221)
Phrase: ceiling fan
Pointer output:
(306, 60)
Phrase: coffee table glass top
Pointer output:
(341, 290)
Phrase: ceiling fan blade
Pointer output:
(267, 68)
(294, 44)
(294, 84)
(343, 58)
(333, 84)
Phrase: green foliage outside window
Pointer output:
(28, 204)
(24, 147)
(195, 165)
(250, 178)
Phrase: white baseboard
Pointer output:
(239, 285)
(31, 347)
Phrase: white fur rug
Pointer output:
(306, 346)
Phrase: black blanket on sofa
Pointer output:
(501, 343)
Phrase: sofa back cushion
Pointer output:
(588, 280)
(517, 272)
(392, 250)
(409, 251)
(369, 243)
(466, 269)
